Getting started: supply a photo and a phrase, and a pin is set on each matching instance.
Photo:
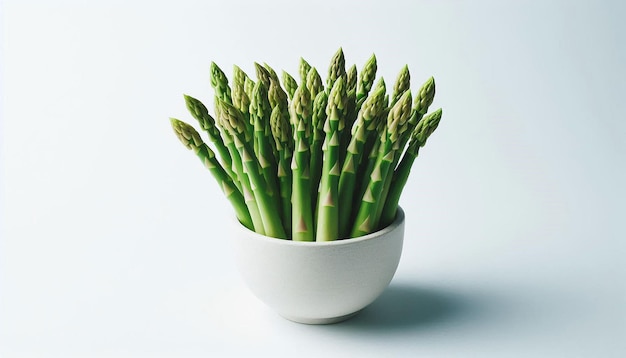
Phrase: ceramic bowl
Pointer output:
(319, 282)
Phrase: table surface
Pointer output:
(112, 241)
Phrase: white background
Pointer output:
(113, 241)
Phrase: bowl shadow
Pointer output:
(403, 307)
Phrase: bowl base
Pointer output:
(331, 320)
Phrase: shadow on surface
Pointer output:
(406, 307)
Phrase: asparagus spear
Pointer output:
(418, 139)
(318, 120)
(423, 99)
(191, 139)
(403, 83)
(327, 228)
(352, 79)
(366, 218)
(303, 69)
(281, 130)
(366, 79)
(248, 86)
(240, 98)
(272, 73)
(302, 210)
(244, 180)
(370, 149)
(263, 140)
(278, 97)
(220, 83)
(263, 75)
(364, 128)
(207, 123)
(336, 69)
(290, 84)
(314, 82)
(232, 121)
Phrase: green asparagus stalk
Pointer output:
(303, 69)
(234, 124)
(327, 228)
(272, 73)
(207, 123)
(317, 155)
(403, 84)
(240, 98)
(425, 97)
(336, 69)
(263, 75)
(420, 134)
(290, 84)
(249, 86)
(263, 141)
(364, 128)
(302, 209)
(220, 83)
(191, 139)
(366, 218)
(281, 130)
(244, 180)
(369, 152)
(314, 82)
(351, 79)
(350, 115)
(421, 103)
(366, 79)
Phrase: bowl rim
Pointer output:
(399, 220)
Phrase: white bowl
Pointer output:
(319, 282)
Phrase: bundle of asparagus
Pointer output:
(311, 163)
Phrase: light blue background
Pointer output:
(113, 241)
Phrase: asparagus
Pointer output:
(290, 84)
(314, 82)
(241, 100)
(336, 69)
(327, 228)
(317, 139)
(263, 75)
(370, 149)
(263, 140)
(232, 121)
(220, 83)
(352, 79)
(207, 123)
(278, 97)
(366, 219)
(191, 139)
(366, 79)
(303, 69)
(403, 83)
(272, 73)
(281, 130)
(312, 162)
(249, 86)
(364, 128)
(302, 210)
(418, 139)
(244, 180)
(423, 99)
